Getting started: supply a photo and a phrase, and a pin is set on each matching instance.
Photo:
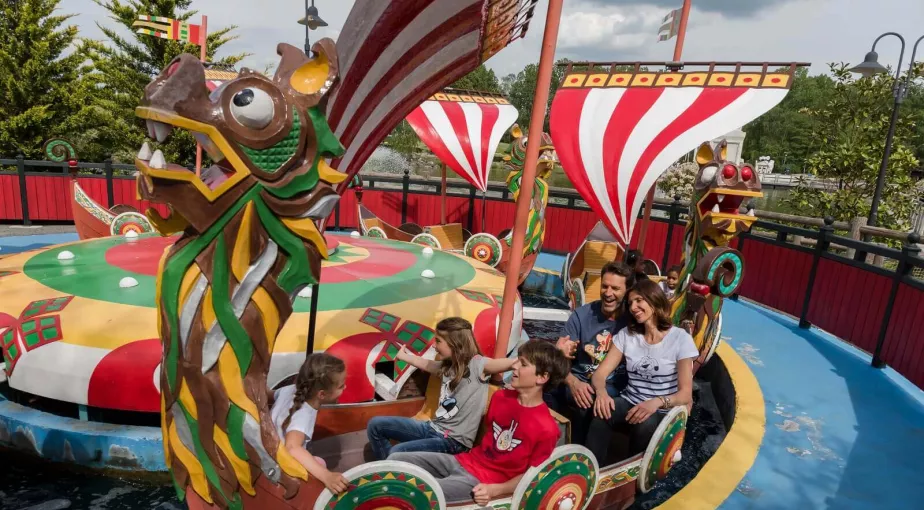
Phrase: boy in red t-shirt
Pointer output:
(520, 432)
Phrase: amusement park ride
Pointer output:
(218, 315)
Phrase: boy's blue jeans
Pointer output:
(413, 436)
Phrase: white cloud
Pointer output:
(817, 31)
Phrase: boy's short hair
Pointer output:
(548, 360)
(675, 268)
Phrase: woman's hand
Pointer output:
(641, 412)
(604, 406)
(335, 482)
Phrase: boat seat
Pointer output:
(450, 235)
(411, 228)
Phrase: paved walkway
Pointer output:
(839, 433)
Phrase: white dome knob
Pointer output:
(66, 255)
(427, 274)
(128, 282)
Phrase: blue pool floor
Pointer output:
(839, 434)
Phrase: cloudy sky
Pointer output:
(816, 31)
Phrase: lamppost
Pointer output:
(869, 67)
(312, 21)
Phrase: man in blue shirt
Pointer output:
(586, 339)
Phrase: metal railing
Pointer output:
(818, 237)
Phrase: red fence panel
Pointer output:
(904, 342)
(848, 302)
(775, 275)
(10, 201)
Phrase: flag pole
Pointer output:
(678, 51)
(540, 100)
(203, 56)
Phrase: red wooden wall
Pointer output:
(847, 301)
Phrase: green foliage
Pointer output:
(785, 132)
(481, 79)
(41, 91)
(403, 140)
(849, 129)
(522, 89)
(126, 65)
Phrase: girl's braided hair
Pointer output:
(317, 373)
(461, 340)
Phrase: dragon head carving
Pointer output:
(515, 159)
(265, 136)
(718, 190)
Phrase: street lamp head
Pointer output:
(869, 66)
(312, 20)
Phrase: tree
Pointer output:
(125, 66)
(523, 90)
(42, 93)
(785, 132)
(481, 79)
(850, 130)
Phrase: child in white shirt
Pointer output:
(321, 380)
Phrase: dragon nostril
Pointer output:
(172, 69)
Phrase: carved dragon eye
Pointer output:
(708, 174)
(253, 108)
(746, 173)
(729, 171)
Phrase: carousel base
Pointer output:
(84, 443)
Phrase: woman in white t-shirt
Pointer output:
(659, 360)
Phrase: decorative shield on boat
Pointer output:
(130, 221)
(427, 240)
(484, 248)
(463, 130)
(617, 131)
(393, 57)
(566, 481)
(663, 449)
(382, 484)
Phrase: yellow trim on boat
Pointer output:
(719, 478)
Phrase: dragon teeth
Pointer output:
(157, 160)
(145, 152)
(162, 131)
(751, 213)
(715, 208)
(719, 198)
(150, 125)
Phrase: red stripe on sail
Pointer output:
(489, 116)
(421, 125)
(450, 73)
(467, 21)
(459, 124)
(565, 124)
(707, 104)
(632, 106)
(394, 19)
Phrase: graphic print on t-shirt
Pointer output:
(447, 409)
(597, 350)
(647, 367)
(503, 438)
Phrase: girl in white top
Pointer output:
(321, 380)
(659, 361)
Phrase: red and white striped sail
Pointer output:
(616, 133)
(394, 55)
(463, 130)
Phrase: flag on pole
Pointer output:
(168, 28)
(670, 25)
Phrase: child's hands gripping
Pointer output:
(335, 482)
